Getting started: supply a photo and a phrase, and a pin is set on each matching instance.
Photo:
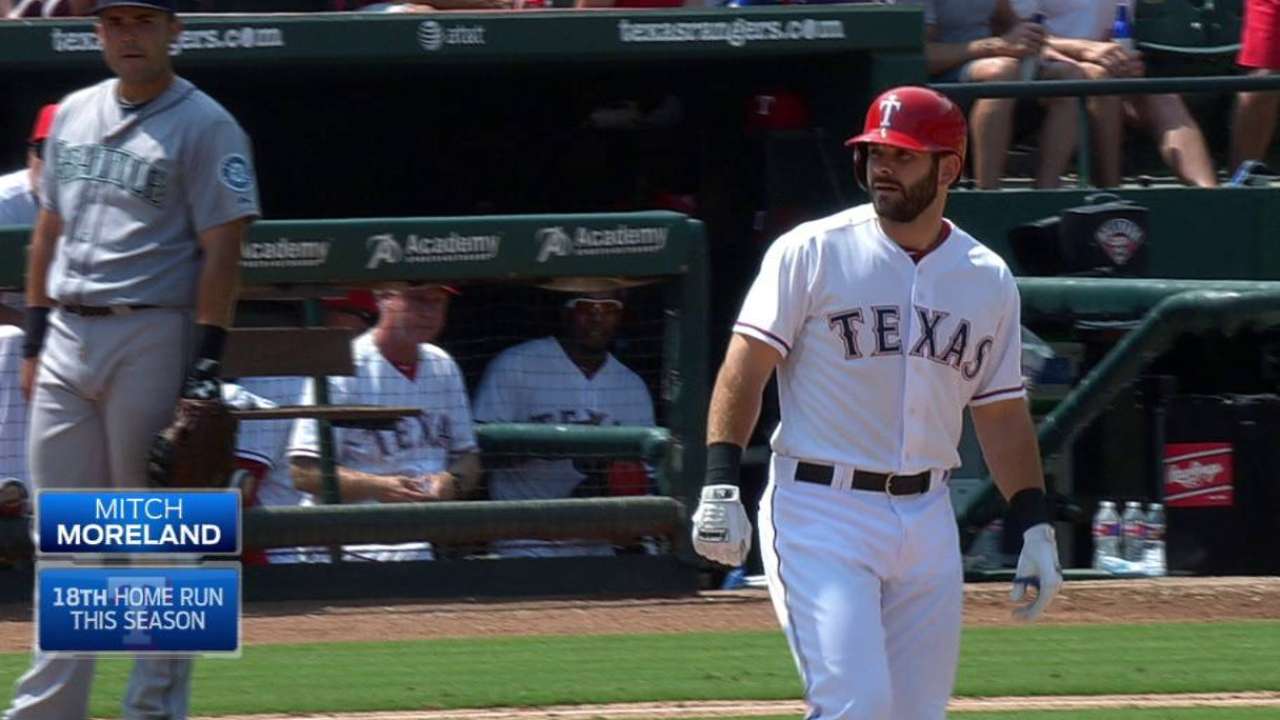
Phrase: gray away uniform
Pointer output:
(133, 189)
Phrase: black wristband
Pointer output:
(37, 324)
(209, 342)
(1029, 507)
(724, 461)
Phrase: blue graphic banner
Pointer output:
(149, 610)
(102, 521)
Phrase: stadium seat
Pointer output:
(1188, 37)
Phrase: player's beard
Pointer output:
(907, 205)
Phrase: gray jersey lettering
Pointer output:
(135, 190)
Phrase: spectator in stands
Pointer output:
(572, 379)
(18, 188)
(985, 41)
(1254, 120)
(427, 458)
(1081, 31)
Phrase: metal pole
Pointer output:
(313, 317)
(1083, 154)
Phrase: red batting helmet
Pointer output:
(914, 118)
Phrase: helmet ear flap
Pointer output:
(860, 164)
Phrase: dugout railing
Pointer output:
(1158, 312)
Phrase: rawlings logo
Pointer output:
(1198, 475)
(1194, 475)
(1119, 238)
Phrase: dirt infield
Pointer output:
(718, 709)
(1122, 601)
(1092, 602)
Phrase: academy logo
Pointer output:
(284, 253)
(386, 249)
(1119, 238)
(621, 240)
(234, 173)
(433, 35)
(383, 250)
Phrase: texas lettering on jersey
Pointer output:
(885, 335)
(573, 417)
(428, 430)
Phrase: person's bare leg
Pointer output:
(1058, 131)
(1176, 133)
(991, 122)
(1106, 115)
(1253, 123)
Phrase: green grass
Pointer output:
(1035, 660)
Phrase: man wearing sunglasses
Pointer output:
(570, 378)
(18, 189)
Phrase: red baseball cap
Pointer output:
(44, 123)
(357, 300)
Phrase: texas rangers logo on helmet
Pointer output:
(888, 106)
(234, 173)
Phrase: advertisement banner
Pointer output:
(1199, 475)
(138, 610)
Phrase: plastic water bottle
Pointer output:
(1030, 66)
(1132, 527)
(1122, 28)
(1153, 557)
(1106, 535)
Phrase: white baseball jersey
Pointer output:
(17, 199)
(881, 355)
(262, 443)
(13, 409)
(260, 452)
(536, 382)
(418, 446)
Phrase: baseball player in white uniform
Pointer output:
(432, 457)
(146, 195)
(883, 323)
(18, 204)
(571, 379)
(262, 471)
(15, 481)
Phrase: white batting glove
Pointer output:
(721, 530)
(1038, 566)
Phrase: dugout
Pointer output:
(721, 113)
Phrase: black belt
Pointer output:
(866, 480)
(101, 310)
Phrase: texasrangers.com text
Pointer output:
(736, 32)
(243, 38)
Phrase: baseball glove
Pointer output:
(196, 449)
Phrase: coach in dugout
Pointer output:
(570, 378)
(428, 458)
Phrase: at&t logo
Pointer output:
(430, 35)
